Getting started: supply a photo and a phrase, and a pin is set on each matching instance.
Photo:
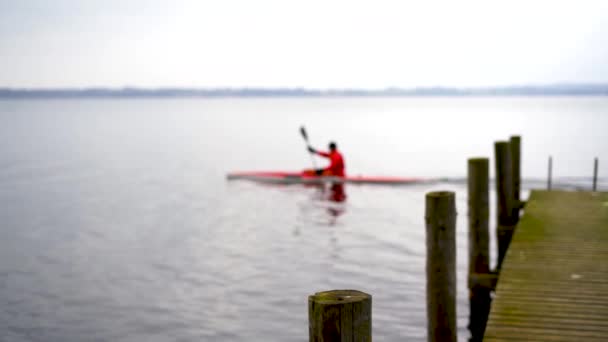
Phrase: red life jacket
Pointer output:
(336, 163)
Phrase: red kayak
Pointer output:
(307, 178)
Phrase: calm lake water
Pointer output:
(117, 223)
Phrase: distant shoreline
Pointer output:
(542, 90)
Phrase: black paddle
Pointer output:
(305, 136)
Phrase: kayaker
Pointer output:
(336, 162)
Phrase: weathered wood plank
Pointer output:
(553, 284)
(544, 322)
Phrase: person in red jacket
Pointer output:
(336, 162)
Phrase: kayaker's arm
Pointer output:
(322, 154)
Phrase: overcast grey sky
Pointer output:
(312, 43)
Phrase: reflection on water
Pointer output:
(337, 193)
(329, 198)
(334, 196)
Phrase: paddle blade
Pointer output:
(303, 133)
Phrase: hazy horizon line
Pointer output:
(554, 89)
(437, 86)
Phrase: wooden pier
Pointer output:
(551, 278)
(553, 283)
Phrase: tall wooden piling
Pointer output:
(440, 220)
(479, 213)
(515, 145)
(340, 315)
(506, 219)
(479, 259)
(549, 173)
(595, 165)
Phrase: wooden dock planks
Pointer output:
(553, 285)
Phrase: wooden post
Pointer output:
(515, 144)
(440, 220)
(550, 173)
(479, 258)
(504, 192)
(340, 315)
(595, 165)
(479, 213)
